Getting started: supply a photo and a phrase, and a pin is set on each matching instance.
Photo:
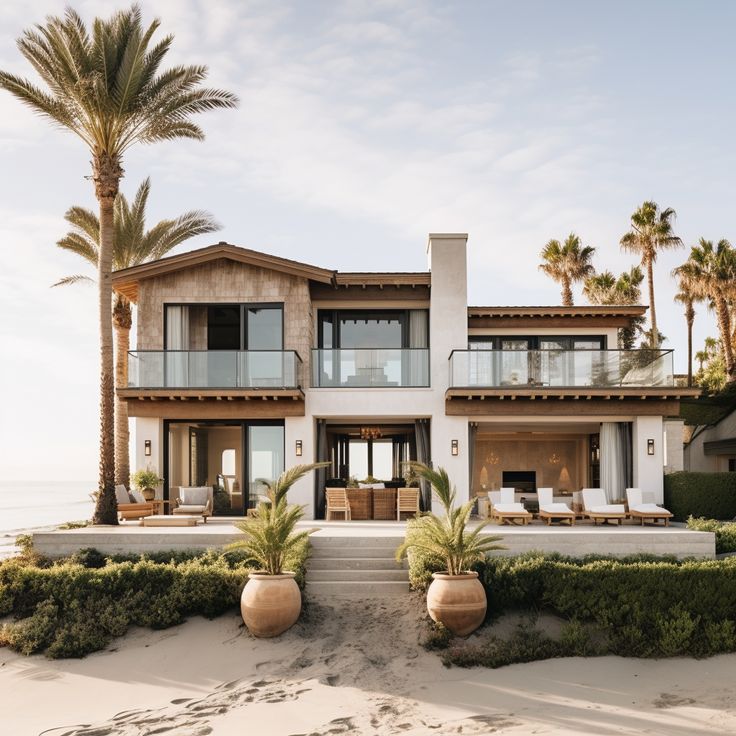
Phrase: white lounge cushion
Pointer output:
(190, 509)
(365, 486)
(555, 508)
(510, 508)
(121, 494)
(608, 508)
(378, 486)
(507, 495)
(138, 497)
(648, 508)
(197, 495)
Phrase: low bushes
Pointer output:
(710, 495)
(725, 532)
(642, 606)
(76, 606)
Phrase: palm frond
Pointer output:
(68, 280)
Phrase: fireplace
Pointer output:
(522, 481)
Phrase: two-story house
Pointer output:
(247, 363)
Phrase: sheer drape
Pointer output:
(177, 338)
(418, 338)
(421, 430)
(613, 461)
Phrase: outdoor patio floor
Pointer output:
(582, 539)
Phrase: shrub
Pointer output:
(76, 606)
(711, 495)
(725, 532)
(640, 606)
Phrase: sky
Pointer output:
(364, 125)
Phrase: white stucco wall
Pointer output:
(149, 428)
(648, 469)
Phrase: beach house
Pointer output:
(247, 363)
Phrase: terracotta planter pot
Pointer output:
(270, 604)
(457, 601)
(149, 494)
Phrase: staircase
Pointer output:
(355, 566)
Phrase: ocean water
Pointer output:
(34, 505)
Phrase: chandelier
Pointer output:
(493, 459)
(554, 458)
(370, 433)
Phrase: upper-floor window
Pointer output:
(223, 327)
(375, 328)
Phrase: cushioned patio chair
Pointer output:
(551, 511)
(195, 501)
(597, 509)
(337, 503)
(645, 511)
(505, 510)
(127, 509)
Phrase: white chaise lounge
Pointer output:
(551, 511)
(645, 511)
(597, 509)
(505, 510)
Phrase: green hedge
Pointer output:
(725, 532)
(76, 606)
(642, 606)
(708, 495)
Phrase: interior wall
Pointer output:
(219, 439)
(178, 455)
(560, 461)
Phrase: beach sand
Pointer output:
(351, 667)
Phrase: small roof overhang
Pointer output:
(397, 279)
(720, 447)
(126, 281)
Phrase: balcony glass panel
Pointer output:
(561, 368)
(370, 368)
(212, 369)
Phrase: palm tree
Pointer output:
(105, 87)
(132, 244)
(687, 297)
(651, 231)
(605, 288)
(701, 356)
(567, 263)
(709, 273)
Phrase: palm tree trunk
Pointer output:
(122, 319)
(566, 293)
(690, 316)
(106, 175)
(654, 339)
(725, 330)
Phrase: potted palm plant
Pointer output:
(456, 597)
(271, 601)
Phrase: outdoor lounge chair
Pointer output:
(407, 502)
(645, 511)
(551, 511)
(195, 501)
(337, 503)
(505, 510)
(127, 509)
(596, 508)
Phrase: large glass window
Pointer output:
(265, 458)
(264, 328)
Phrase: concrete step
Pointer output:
(354, 563)
(357, 589)
(357, 576)
(350, 541)
(349, 551)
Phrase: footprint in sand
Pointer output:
(670, 700)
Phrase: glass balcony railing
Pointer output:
(561, 368)
(213, 369)
(370, 368)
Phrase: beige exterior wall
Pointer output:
(225, 281)
(695, 458)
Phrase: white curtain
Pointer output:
(177, 338)
(613, 461)
(419, 338)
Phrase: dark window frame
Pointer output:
(534, 340)
(335, 315)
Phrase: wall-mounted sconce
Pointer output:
(298, 448)
(650, 447)
(147, 448)
(455, 447)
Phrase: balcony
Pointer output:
(561, 369)
(370, 368)
(213, 369)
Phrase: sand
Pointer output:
(352, 667)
